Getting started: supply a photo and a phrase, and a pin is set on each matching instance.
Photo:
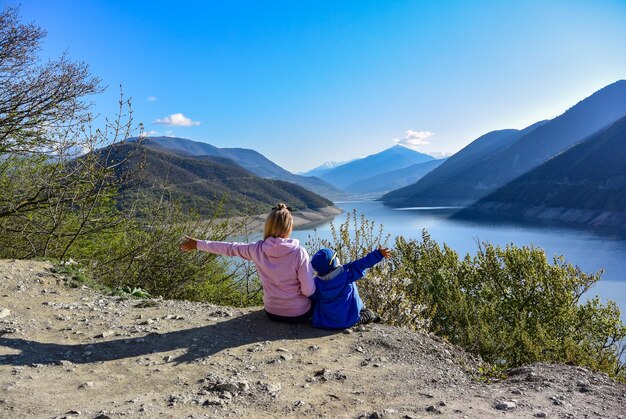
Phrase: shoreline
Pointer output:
(310, 218)
(302, 219)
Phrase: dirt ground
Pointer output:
(75, 353)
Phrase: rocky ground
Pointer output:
(75, 353)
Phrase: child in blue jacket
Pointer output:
(337, 301)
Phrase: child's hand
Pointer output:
(386, 252)
(188, 244)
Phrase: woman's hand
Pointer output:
(386, 252)
(188, 244)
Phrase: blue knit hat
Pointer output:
(324, 261)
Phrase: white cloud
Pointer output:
(151, 99)
(151, 133)
(413, 139)
(177, 120)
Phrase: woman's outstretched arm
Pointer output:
(243, 250)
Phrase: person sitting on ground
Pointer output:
(283, 266)
(337, 304)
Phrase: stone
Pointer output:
(4, 312)
(531, 376)
(271, 388)
(505, 406)
(86, 385)
(243, 386)
(433, 409)
(226, 387)
(340, 376)
(540, 415)
(583, 386)
(105, 334)
(7, 330)
(213, 402)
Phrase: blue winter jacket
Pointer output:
(337, 300)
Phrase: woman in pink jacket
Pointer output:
(283, 266)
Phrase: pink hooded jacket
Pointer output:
(283, 266)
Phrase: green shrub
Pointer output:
(145, 254)
(510, 305)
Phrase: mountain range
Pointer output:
(206, 183)
(348, 175)
(250, 160)
(499, 157)
(585, 184)
(370, 176)
(323, 168)
(377, 185)
(569, 168)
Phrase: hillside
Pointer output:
(521, 154)
(251, 160)
(584, 185)
(73, 352)
(200, 183)
(446, 183)
(394, 158)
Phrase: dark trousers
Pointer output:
(304, 318)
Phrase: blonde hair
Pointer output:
(279, 222)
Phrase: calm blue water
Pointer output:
(586, 249)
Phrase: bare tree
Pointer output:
(36, 96)
(59, 176)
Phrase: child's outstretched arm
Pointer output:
(385, 252)
(356, 269)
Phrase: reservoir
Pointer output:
(589, 250)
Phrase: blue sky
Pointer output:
(304, 82)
